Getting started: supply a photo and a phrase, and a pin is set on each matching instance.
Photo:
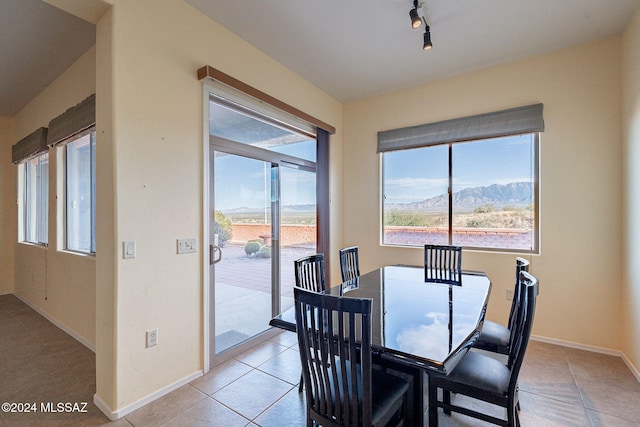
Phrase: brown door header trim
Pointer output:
(215, 74)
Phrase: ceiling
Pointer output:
(355, 48)
(350, 49)
(38, 42)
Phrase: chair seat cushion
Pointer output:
(482, 372)
(493, 335)
(387, 391)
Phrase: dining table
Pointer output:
(418, 325)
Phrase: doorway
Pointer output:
(262, 216)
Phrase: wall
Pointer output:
(58, 284)
(8, 211)
(579, 264)
(631, 109)
(150, 178)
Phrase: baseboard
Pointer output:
(114, 415)
(51, 319)
(5, 293)
(592, 348)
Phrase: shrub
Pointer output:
(253, 247)
(265, 252)
(222, 227)
(486, 208)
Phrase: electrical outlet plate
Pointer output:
(129, 249)
(186, 246)
(152, 337)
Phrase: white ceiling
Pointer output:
(356, 48)
(349, 48)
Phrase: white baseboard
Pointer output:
(592, 348)
(51, 319)
(114, 415)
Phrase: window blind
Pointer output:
(513, 121)
(29, 146)
(73, 121)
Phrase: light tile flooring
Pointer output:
(41, 364)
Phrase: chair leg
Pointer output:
(300, 385)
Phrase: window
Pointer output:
(36, 199)
(492, 202)
(468, 182)
(80, 194)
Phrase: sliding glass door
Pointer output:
(262, 217)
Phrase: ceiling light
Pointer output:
(415, 18)
(427, 38)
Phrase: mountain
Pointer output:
(512, 194)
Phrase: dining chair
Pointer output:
(349, 264)
(443, 264)
(485, 378)
(342, 388)
(309, 273)
(495, 337)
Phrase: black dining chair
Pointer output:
(443, 264)
(485, 378)
(495, 337)
(349, 264)
(342, 388)
(309, 273)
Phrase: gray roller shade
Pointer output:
(514, 121)
(73, 121)
(29, 146)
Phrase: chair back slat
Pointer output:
(349, 263)
(521, 265)
(334, 339)
(309, 273)
(523, 325)
(443, 264)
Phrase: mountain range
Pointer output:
(515, 194)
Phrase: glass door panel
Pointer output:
(297, 225)
(242, 231)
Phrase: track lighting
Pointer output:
(416, 22)
(415, 18)
(427, 37)
(427, 40)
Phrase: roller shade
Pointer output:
(513, 121)
(73, 121)
(29, 146)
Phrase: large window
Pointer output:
(36, 199)
(470, 181)
(491, 204)
(80, 194)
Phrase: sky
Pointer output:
(421, 173)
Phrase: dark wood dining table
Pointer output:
(417, 325)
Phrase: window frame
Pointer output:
(41, 200)
(62, 148)
(450, 208)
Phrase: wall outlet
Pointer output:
(152, 338)
(509, 294)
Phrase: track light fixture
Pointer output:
(427, 37)
(416, 22)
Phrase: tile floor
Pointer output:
(40, 363)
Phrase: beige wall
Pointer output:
(631, 113)
(580, 182)
(8, 234)
(150, 178)
(61, 285)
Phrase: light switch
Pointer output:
(186, 246)
(129, 249)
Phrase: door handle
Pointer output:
(212, 254)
